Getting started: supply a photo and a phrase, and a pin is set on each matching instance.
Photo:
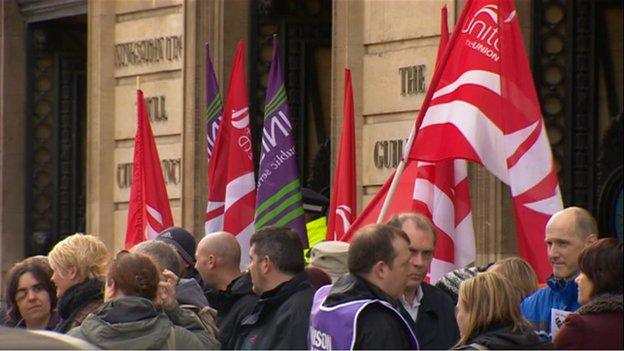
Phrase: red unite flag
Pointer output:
(342, 205)
(438, 190)
(148, 209)
(482, 106)
(232, 198)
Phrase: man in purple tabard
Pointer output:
(361, 310)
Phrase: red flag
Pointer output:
(232, 198)
(342, 205)
(148, 210)
(482, 97)
(439, 191)
(444, 34)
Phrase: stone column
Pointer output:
(12, 131)
(347, 52)
(100, 120)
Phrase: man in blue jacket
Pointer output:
(567, 233)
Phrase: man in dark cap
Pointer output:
(185, 245)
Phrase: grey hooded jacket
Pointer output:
(135, 323)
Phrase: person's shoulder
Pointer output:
(436, 294)
(375, 312)
(185, 339)
(538, 296)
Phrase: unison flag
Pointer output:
(279, 200)
(214, 109)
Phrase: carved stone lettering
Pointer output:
(171, 168)
(412, 80)
(148, 51)
(388, 153)
(156, 108)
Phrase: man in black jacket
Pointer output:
(218, 261)
(279, 319)
(361, 310)
(429, 307)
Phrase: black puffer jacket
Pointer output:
(233, 304)
(279, 319)
(501, 337)
(77, 302)
(377, 327)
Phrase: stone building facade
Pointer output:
(68, 103)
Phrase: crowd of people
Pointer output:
(174, 293)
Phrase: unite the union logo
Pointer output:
(240, 118)
(484, 32)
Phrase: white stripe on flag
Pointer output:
(513, 140)
(213, 205)
(438, 269)
(477, 129)
(238, 188)
(243, 240)
(488, 80)
(465, 251)
(532, 167)
(155, 214)
(214, 225)
(548, 206)
(440, 206)
(151, 233)
(461, 170)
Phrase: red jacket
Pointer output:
(596, 325)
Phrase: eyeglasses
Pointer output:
(22, 293)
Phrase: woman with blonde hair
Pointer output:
(488, 315)
(520, 274)
(79, 263)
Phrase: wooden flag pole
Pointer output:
(138, 82)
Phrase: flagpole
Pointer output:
(138, 82)
(397, 176)
(419, 119)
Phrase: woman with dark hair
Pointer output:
(30, 295)
(597, 324)
(130, 318)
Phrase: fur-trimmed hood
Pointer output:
(603, 304)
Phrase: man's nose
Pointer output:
(418, 260)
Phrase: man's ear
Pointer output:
(379, 270)
(212, 261)
(266, 265)
(591, 238)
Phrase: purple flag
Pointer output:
(278, 200)
(214, 111)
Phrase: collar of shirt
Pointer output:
(412, 307)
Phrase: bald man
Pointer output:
(568, 232)
(218, 260)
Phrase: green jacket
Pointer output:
(135, 323)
